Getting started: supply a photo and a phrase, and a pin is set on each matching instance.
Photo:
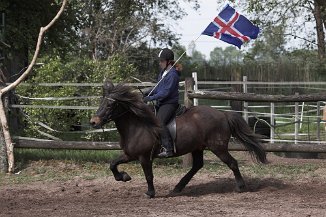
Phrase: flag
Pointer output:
(231, 27)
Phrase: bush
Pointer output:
(75, 71)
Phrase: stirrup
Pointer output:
(165, 153)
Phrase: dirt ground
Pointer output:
(208, 194)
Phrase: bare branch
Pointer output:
(37, 50)
(296, 36)
(3, 118)
(2, 43)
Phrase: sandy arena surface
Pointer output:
(207, 194)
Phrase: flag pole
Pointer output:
(184, 52)
(171, 67)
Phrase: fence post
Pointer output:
(245, 104)
(194, 76)
(296, 119)
(236, 76)
(318, 121)
(301, 115)
(272, 134)
(189, 84)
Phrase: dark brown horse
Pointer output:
(199, 128)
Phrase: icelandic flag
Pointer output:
(231, 27)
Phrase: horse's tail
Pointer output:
(241, 130)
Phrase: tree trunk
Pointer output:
(322, 5)
(3, 154)
(3, 149)
(320, 31)
(6, 136)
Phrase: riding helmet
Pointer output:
(166, 54)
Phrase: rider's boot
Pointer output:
(167, 144)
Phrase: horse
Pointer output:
(199, 128)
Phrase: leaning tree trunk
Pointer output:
(3, 154)
(3, 119)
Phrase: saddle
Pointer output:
(172, 125)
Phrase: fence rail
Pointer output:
(251, 97)
(233, 146)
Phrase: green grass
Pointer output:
(22, 156)
(34, 165)
(54, 170)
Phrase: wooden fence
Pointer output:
(189, 95)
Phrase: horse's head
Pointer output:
(107, 109)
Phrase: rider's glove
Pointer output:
(146, 99)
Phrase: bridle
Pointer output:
(113, 117)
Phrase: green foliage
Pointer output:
(25, 18)
(75, 71)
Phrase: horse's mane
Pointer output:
(133, 101)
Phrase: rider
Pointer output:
(166, 93)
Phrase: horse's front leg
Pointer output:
(120, 176)
(147, 166)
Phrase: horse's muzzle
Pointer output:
(95, 122)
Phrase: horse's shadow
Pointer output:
(227, 185)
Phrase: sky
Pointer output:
(191, 26)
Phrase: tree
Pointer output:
(232, 55)
(116, 26)
(197, 58)
(270, 46)
(295, 15)
(216, 57)
(22, 22)
(100, 29)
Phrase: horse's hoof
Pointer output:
(150, 194)
(118, 177)
(125, 177)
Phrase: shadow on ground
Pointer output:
(227, 185)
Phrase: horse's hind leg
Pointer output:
(225, 156)
(120, 176)
(197, 164)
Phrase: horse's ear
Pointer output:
(107, 87)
